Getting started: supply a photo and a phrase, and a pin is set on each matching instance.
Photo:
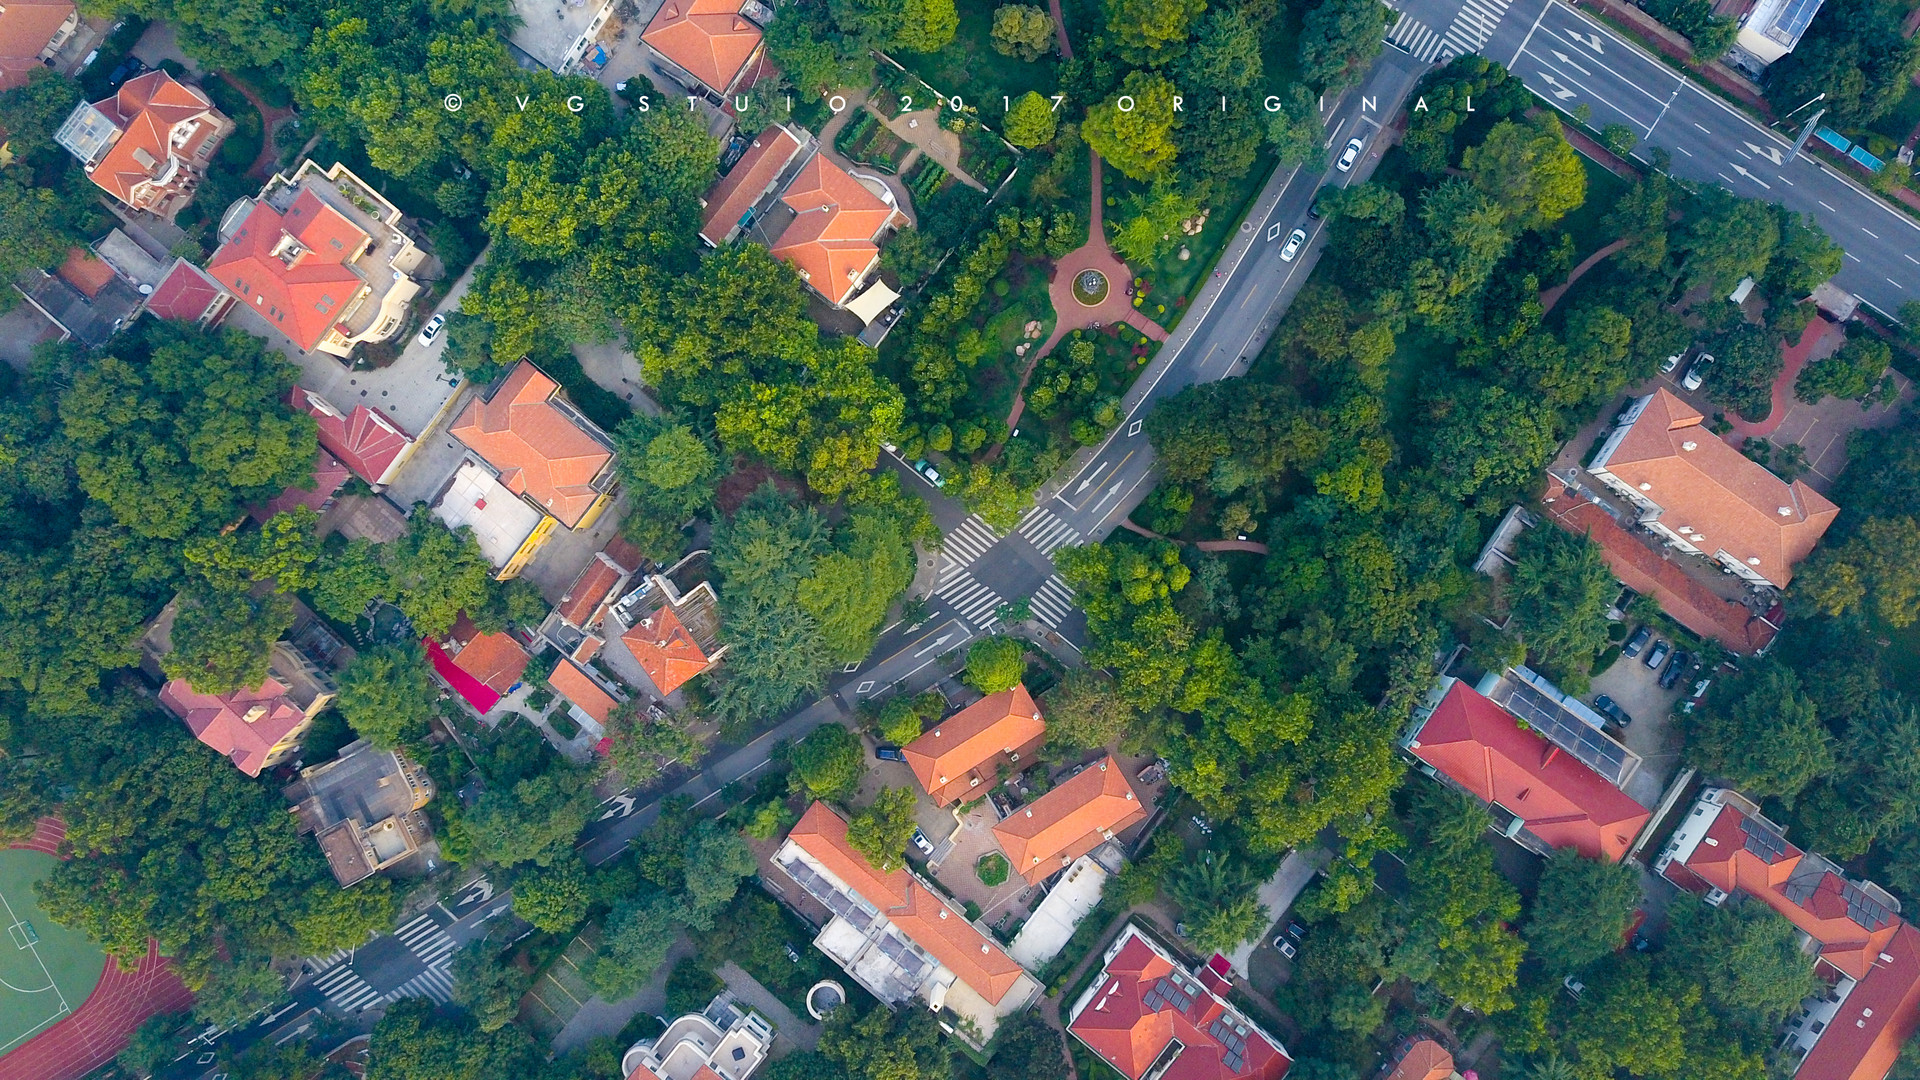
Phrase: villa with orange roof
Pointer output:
(31, 33)
(1151, 1018)
(1079, 814)
(708, 45)
(149, 144)
(834, 237)
(543, 449)
(744, 195)
(1701, 496)
(261, 726)
(319, 258)
(591, 702)
(672, 624)
(1866, 954)
(959, 759)
(896, 936)
(481, 668)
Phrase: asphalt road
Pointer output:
(1571, 60)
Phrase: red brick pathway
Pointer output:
(102, 1025)
(1796, 354)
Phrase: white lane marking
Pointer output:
(1869, 232)
(1703, 129)
(1823, 202)
(1851, 255)
(1684, 150)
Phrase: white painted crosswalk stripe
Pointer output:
(347, 990)
(973, 601)
(425, 938)
(435, 984)
(970, 540)
(1052, 601)
(1046, 532)
(1471, 28)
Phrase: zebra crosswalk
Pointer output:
(1414, 36)
(347, 990)
(968, 541)
(1045, 531)
(1052, 601)
(973, 601)
(435, 983)
(1472, 27)
(426, 939)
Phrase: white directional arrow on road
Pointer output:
(1111, 492)
(1559, 90)
(1568, 60)
(1752, 177)
(944, 638)
(1591, 41)
(482, 892)
(618, 807)
(1771, 153)
(278, 1013)
(495, 912)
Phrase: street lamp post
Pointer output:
(1817, 97)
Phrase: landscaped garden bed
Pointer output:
(866, 141)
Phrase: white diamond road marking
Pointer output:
(1045, 531)
(1472, 27)
(1052, 601)
(425, 939)
(347, 990)
(435, 984)
(974, 601)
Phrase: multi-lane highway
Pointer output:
(1571, 60)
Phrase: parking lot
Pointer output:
(1653, 734)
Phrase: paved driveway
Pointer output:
(1653, 734)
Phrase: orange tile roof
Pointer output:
(664, 647)
(145, 110)
(831, 239)
(570, 682)
(302, 300)
(596, 580)
(1643, 570)
(1074, 818)
(83, 271)
(540, 451)
(26, 28)
(221, 721)
(1880, 1015)
(736, 193)
(496, 661)
(1423, 1060)
(912, 908)
(366, 439)
(964, 751)
(1704, 484)
(1131, 1027)
(709, 39)
(1481, 747)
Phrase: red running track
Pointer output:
(101, 1026)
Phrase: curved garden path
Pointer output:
(1550, 297)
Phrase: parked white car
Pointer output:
(431, 332)
(1294, 240)
(1351, 154)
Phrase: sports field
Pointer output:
(46, 970)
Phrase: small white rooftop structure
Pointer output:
(1051, 925)
(501, 520)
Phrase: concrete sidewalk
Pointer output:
(1277, 894)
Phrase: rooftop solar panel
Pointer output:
(1563, 727)
(1864, 909)
(1792, 21)
(1762, 841)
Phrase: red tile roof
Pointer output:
(709, 39)
(960, 757)
(1146, 1003)
(221, 721)
(912, 908)
(574, 684)
(1089, 808)
(540, 451)
(1643, 570)
(831, 240)
(496, 661)
(591, 588)
(304, 299)
(1481, 747)
(26, 29)
(184, 294)
(145, 110)
(624, 554)
(329, 473)
(366, 439)
(666, 650)
(1703, 483)
(752, 175)
(1880, 1015)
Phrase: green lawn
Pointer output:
(1171, 280)
(46, 970)
(1900, 121)
(970, 67)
